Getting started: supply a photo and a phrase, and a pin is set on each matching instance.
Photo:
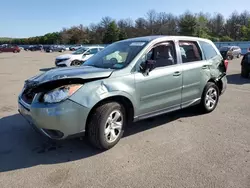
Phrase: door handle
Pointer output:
(177, 73)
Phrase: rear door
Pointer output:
(194, 66)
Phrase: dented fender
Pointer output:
(92, 93)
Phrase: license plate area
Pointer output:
(25, 112)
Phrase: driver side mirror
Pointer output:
(147, 66)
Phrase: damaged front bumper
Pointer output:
(56, 121)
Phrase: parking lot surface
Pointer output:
(181, 149)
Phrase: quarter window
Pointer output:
(190, 51)
(208, 50)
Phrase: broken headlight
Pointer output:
(60, 94)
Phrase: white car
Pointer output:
(78, 57)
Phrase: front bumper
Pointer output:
(56, 121)
(65, 63)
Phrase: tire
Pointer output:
(14, 51)
(62, 50)
(98, 124)
(211, 91)
(244, 73)
(239, 55)
(75, 63)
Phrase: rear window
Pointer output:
(190, 51)
(208, 50)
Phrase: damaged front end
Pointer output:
(48, 108)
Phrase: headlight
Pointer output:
(61, 93)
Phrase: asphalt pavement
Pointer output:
(180, 149)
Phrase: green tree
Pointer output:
(122, 35)
(112, 33)
(187, 24)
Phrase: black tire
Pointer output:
(239, 55)
(75, 63)
(203, 105)
(98, 123)
(15, 51)
(244, 73)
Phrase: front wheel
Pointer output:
(106, 125)
(76, 63)
(210, 97)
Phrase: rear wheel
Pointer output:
(239, 55)
(210, 97)
(76, 63)
(15, 51)
(244, 73)
(106, 125)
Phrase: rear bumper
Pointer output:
(224, 84)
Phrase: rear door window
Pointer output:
(208, 50)
(190, 51)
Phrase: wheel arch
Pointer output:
(121, 99)
(218, 83)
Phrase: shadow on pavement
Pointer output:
(237, 79)
(22, 147)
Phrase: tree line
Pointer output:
(214, 27)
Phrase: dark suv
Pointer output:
(230, 52)
(245, 65)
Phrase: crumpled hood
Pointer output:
(84, 72)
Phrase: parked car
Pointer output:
(35, 48)
(55, 48)
(103, 95)
(78, 57)
(245, 65)
(76, 47)
(230, 52)
(9, 48)
(21, 48)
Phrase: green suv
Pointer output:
(129, 80)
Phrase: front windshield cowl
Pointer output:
(117, 55)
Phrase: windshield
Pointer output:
(117, 55)
(224, 48)
(80, 51)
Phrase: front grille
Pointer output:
(28, 96)
(59, 60)
(62, 65)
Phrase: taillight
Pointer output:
(226, 64)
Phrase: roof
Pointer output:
(166, 37)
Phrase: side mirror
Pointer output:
(87, 53)
(147, 66)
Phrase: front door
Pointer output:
(160, 90)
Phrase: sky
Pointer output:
(27, 18)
